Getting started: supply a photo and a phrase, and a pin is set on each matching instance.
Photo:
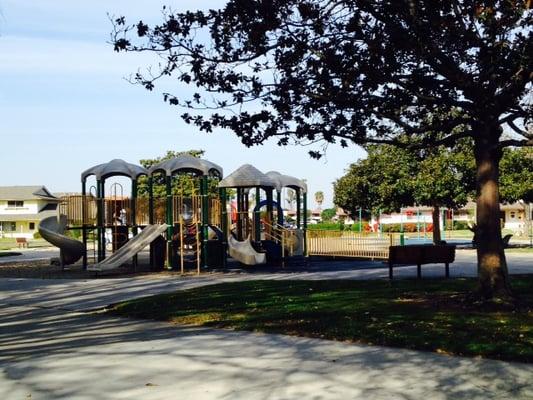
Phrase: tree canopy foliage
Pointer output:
(347, 71)
(328, 213)
(358, 72)
(516, 175)
(390, 178)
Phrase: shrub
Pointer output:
(37, 235)
(328, 226)
(407, 227)
(460, 225)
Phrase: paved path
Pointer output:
(90, 294)
(37, 254)
(52, 355)
(50, 350)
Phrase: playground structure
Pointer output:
(261, 237)
(196, 223)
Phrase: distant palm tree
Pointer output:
(291, 198)
(319, 198)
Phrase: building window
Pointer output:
(8, 226)
(15, 204)
(32, 226)
(513, 215)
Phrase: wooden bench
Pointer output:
(21, 242)
(421, 254)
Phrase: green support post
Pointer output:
(278, 200)
(418, 222)
(257, 216)
(298, 211)
(84, 220)
(360, 220)
(150, 201)
(224, 224)
(169, 221)
(379, 223)
(270, 206)
(239, 213)
(100, 229)
(134, 216)
(205, 218)
(102, 217)
(151, 214)
(305, 223)
(402, 237)
(443, 225)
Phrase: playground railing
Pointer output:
(289, 239)
(350, 244)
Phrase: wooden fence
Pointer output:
(350, 244)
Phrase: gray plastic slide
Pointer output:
(244, 252)
(52, 230)
(131, 248)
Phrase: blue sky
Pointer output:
(65, 105)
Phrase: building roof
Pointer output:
(116, 167)
(286, 181)
(28, 217)
(26, 193)
(247, 176)
(187, 163)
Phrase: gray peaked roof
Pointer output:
(114, 168)
(287, 181)
(187, 163)
(26, 193)
(247, 176)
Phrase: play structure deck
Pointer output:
(184, 210)
(193, 218)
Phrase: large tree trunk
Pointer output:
(492, 267)
(435, 215)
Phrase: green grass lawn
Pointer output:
(526, 250)
(432, 315)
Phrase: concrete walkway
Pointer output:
(51, 350)
(91, 294)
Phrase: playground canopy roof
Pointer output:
(287, 181)
(114, 167)
(247, 176)
(187, 163)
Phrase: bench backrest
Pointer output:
(422, 254)
(21, 240)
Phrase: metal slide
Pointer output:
(52, 230)
(130, 249)
(244, 252)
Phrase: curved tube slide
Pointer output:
(52, 230)
(244, 252)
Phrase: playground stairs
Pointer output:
(130, 249)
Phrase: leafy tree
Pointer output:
(182, 184)
(291, 198)
(392, 177)
(328, 214)
(359, 72)
(516, 175)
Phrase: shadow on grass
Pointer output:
(63, 356)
